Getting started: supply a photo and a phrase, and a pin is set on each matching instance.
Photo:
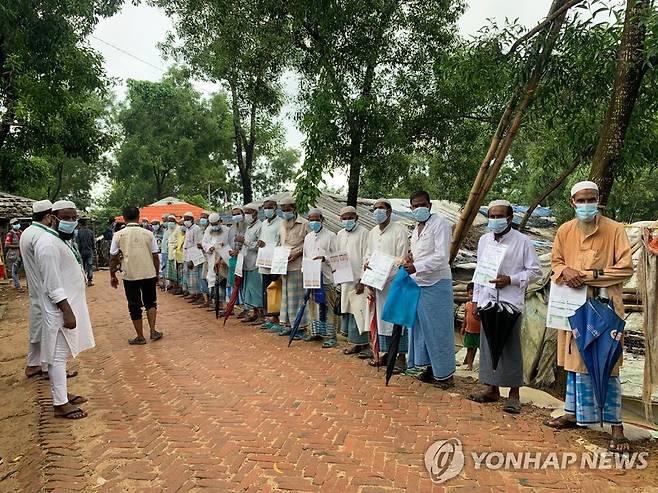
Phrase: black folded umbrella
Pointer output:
(216, 294)
(498, 320)
(393, 351)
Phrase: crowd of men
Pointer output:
(189, 256)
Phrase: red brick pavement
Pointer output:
(212, 408)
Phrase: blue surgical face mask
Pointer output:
(188, 223)
(171, 225)
(16, 227)
(183, 229)
(289, 216)
(421, 214)
(155, 227)
(587, 212)
(315, 226)
(203, 221)
(269, 213)
(216, 228)
(349, 224)
(379, 215)
(238, 218)
(498, 225)
(67, 227)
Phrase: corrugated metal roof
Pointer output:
(14, 206)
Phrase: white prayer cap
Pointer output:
(499, 203)
(13, 221)
(251, 205)
(347, 210)
(583, 185)
(270, 199)
(238, 207)
(171, 217)
(315, 210)
(41, 206)
(63, 204)
(188, 213)
(383, 201)
(287, 201)
(214, 217)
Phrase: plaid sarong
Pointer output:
(172, 272)
(182, 272)
(385, 342)
(193, 278)
(580, 400)
(292, 297)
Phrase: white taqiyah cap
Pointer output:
(188, 213)
(63, 204)
(347, 210)
(270, 199)
(214, 217)
(42, 206)
(499, 203)
(583, 185)
(238, 207)
(383, 201)
(315, 210)
(251, 205)
(13, 221)
(288, 201)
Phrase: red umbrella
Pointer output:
(374, 338)
(228, 311)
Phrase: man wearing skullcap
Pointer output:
(518, 269)
(252, 281)
(66, 325)
(137, 251)
(203, 279)
(215, 238)
(292, 234)
(392, 239)
(236, 238)
(193, 240)
(593, 251)
(174, 255)
(164, 250)
(13, 255)
(269, 237)
(41, 212)
(353, 239)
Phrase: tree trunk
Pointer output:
(628, 79)
(245, 178)
(505, 134)
(7, 101)
(355, 173)
(552, 187)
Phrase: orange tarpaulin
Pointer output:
(156, 211)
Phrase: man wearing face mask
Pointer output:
(41, 219)
(13, 255)
(66, 325)
(181, 265)
(432, 338)
(590, 250)
(292, 233)
(203, 280)
(193, 240)
(389, 238)
(269, 236)
(164, 251)
(252, 283)
(172, 274)
(519, 268)
(318, 245)
(353, 239)
(236, 239)
(214, 239)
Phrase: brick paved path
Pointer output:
(210, 408)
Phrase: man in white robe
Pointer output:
(215, 239)
(67, 327)
(389, 238)
(269, 237)
(353, 239)
(41, 212)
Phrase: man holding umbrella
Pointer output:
(590, 250)
(501, 361)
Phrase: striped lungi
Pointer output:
(324, 317)
(292, 298)
(172, 272)
(385, 342)
(580, 400)
(252, 288)
(193, 278)
(182, 272)
(353, 334)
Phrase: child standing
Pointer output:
(471, 328)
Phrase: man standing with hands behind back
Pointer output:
(136, 249)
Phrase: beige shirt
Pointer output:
(292, 235)
(602, 245)
(137, 246)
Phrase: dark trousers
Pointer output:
(88, 264)
(140, 293)
(267, 280)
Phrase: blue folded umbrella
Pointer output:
(298, 318)
(597, 330)
(402, 301)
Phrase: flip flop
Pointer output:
(137, 341)
(352, 350)
(77, 400)
(560, 423)
(155, 335)
(512, 406)
(482, 398)
(329, 343)
(73, 414)
(615, 442)
(32, 375)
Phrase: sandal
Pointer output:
(77, 400)
(445, 384)
(155, 335)
(512, 406)
(383, 361)
(32, 375)
(329, 343)
(73, 414)
(426, 376)
(398, 369)
(616, 442)
(482, 398)
(137, 341)
(561, 423)
(355, 349)
(366, 354)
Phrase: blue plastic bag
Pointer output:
(402, 301)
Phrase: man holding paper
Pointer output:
(269, 238)
(509, 272)
(252, 282)
(593, 251)
(318, 245)
(353, 240)
(215, 238)
(194, 257)
(390, 239)
(432, 340)
(292, 234)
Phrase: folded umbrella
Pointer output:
(498, 319)
(393, 350)
(374, 334)
(235, 292)
(216, 295)
(597, 330)
(298, 318)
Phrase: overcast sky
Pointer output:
(128, 42)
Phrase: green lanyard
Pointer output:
(76, 254)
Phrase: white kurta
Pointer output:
(270, 235)
(193, 237)
(63, 279)
(354, 243)
(250, 245)
(393, 241)
(431, 251)
(520, 263)
(321, 244)
(216, 240)
(28, 243)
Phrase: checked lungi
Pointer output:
(172, 271)
(193, 279)
(324, 318)
(292, 298)
(580, 400)
(252, 288)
